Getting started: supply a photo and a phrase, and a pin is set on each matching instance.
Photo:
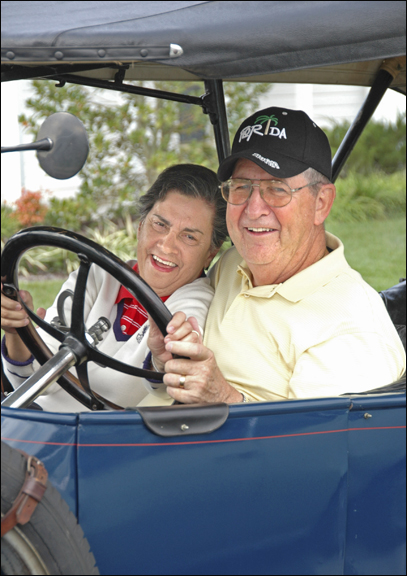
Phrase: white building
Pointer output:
(331, 104)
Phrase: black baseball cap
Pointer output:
(283, 142)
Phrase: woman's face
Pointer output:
(174, 242)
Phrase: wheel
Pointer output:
(88, 252)
(52, 542)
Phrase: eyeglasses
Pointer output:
(275, 193)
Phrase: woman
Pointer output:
(181, 228)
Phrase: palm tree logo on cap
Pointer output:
(268, 119)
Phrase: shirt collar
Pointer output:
(305, 282)
(124, 293)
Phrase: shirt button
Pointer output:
(123, 328)
(247, 295)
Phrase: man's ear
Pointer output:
(324, 201)
(210, 257)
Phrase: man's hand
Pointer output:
(199, 379)
(180, 328)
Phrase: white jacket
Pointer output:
(193, 299)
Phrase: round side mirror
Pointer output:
(70, 146)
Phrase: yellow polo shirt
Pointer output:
(323, 332)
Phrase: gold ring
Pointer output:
(182, 381)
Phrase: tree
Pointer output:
(131, 140)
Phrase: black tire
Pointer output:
(52, 542)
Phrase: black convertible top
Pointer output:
(338, 42)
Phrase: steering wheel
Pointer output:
(88, 252)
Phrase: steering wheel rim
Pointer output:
(89, 252)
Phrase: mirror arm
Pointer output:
(43, 144)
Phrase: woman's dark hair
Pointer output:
(190, 180)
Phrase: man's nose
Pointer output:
(256, 206)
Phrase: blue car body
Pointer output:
(297, 487)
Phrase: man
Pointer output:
(290, 318)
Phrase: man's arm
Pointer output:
(203, 381)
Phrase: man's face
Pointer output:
(275, 242)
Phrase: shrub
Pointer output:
(9, 225)
(30, 209)
(121, 242)
(369, 197)
(71, 213)
(381, 147)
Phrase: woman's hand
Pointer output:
(14, 316)
(179, 329)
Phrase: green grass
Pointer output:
(43, 292)
(376, 249)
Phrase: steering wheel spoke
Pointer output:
(110, 362)
(82, 372)
(78, 327)
(48, 328)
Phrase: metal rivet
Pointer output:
(184, 427)
(175, 50)
(366, 415)
(58, 55)
(101, 53)
(10, 55)
(144, 52)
